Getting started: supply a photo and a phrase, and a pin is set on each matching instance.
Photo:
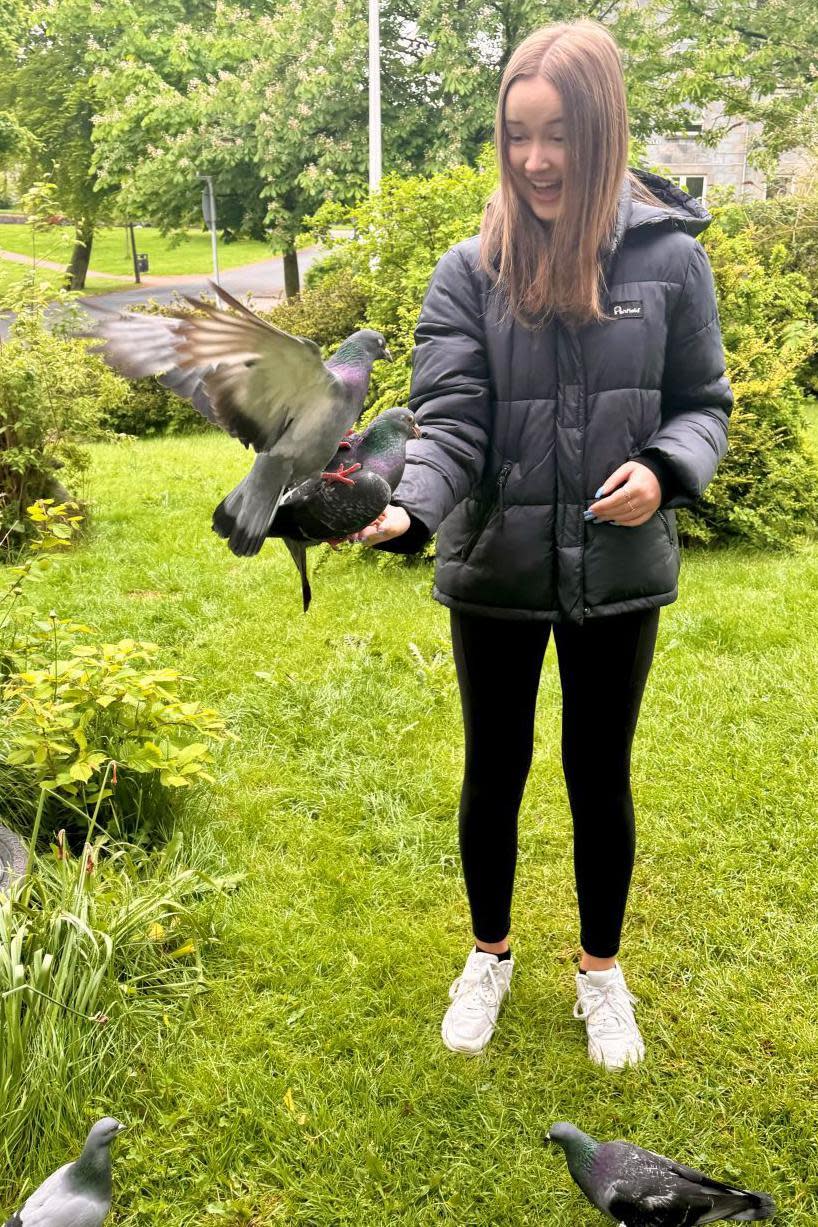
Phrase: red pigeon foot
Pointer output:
(342, 474)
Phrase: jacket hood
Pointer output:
(681, 209)
(692, 213)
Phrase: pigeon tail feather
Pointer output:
(299, 555)
(224, 517)
(764, 1210)
(264, 487)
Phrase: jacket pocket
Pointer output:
(487, 509)
(674, 544)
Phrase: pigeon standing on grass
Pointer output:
(319, 511)
(271, 390)
(637, 1188)
(78, 1194)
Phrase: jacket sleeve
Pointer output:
(696, 395)
(450, 399)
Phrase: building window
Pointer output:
(694, 185)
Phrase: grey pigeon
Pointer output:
(13, 857)
(637, 1188)
(319, 510)
(78, 1194)
(262, 385)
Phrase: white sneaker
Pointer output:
(604, 1002)
(476, 996)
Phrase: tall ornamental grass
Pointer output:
(97, 952)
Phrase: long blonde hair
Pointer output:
(555, 267)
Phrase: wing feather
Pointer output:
(246, 376)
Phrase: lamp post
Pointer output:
(209, 213)
(374, 105)
(374, 97)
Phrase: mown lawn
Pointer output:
(111, 252)
(311, 1086)
(12, 276)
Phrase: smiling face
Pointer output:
(534, 136)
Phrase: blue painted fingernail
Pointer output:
(588, 515)
(598, 493)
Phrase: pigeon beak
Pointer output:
(386, 354)
(121, 1128)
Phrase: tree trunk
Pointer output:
(291, 281)
(77, 269)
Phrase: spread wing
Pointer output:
(244, 375)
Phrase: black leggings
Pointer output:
(603, 667)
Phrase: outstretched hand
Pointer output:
(392, 523)
(631, 503)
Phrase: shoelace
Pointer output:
(476, 987)
(614, 998)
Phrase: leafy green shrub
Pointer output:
(96, 952)
(789, 223)
(150, 409)
(400, 233)
(52, 393)
(72, 706)
(766, 488)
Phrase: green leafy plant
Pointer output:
(74, 706)
(766, 488)
(400, 233)
(51, 396)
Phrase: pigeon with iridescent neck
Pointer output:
(317, 510)
(266, 387)
(637, 1188)
(79, 1193)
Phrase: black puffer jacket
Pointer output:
(521, 428)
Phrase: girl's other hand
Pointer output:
(635, 496)
(392, 523)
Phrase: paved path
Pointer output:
(264, 281)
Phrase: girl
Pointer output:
(569, 378)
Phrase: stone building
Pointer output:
(698, 167)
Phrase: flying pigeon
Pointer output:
(638, 1188)
(78, 1194)
(320, 511)
(262, 385)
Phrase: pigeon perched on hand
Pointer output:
(637, 1188)
(78, 1194)
(318, 510)
(262, 385)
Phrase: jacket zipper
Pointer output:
(497, 500)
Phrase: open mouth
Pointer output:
(548, 192)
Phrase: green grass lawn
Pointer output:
(311, 1086)
(111, 252)
(12, 275)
